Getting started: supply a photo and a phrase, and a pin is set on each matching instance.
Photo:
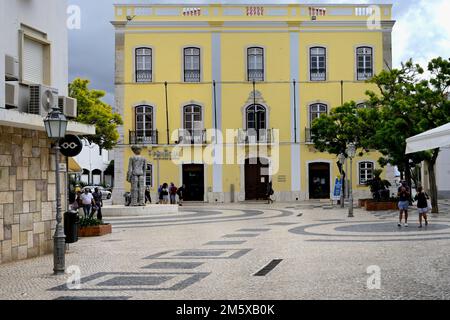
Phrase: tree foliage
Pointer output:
(92, 110)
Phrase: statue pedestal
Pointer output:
(148, 210)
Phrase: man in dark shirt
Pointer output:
(98, 200)
(403, 203)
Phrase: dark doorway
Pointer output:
(319, 180)
(256, 179)
(193, 178)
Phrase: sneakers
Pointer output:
(406, 225)
(399, 225)
(420, 226)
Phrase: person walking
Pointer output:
(160, 196)
(403, 204)
(165, 193)
(98, 202)
(269, 192)
(87, 200)
(422, 205)
(148, 197)
(173, 193)
(180, 193)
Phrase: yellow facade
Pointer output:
(223, 35)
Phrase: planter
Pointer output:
(362, 202)
(372, 205)
(95, 231)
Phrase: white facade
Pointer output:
(443, 173)
(93, 162)
(44, 17)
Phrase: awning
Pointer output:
(74, 167)
(432, 139)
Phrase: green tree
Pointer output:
(407, 104)
(345, 124)
(92, 110)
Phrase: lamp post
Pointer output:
(55, 126)
(341, 162)
(351, 152)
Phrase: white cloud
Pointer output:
(422, 32)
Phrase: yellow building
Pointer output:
(186, 73)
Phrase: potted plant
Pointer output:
(380, 194)
(91, 227)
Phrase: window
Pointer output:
(365, 172)
(144, 122)
(35, 57)
(149, 176)
(191, 65)
(316, 110)
(193, 119)
(255, 64)
(256, 117)
(362, 105)
(318, 67)
(364, 60)
(143, 65)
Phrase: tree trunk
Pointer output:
(432, 181)
(408, 178)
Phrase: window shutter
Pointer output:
(33, 61)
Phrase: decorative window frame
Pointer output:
(326, 62)
(246, 76)
(183, 64)
(355, 58)
(134, 63)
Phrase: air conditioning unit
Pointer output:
(42, 100)
(11, 68)
(11, 95)
(68, 106)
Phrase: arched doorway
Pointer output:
(256, 178)
(319, 180)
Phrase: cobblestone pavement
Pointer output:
(251, 251)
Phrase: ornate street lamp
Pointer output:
(351, 152)
(342, 158)
(56, 126)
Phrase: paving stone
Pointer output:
(174, 265)
(136, 281)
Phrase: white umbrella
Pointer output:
(432, 139)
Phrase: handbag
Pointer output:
(429, 206)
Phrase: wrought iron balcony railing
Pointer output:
(318, 75)
(255, 75)
(192, 76)
(308, 135)
(197, 136)
(143, 76)
(252, 136)
(144, 137)
(365, 74)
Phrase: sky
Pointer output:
(422, 32)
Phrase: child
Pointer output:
(422, 205)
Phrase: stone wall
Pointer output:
(27, 194)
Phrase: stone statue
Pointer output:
(137, 166)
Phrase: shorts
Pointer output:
(422, 210)
(403, 205)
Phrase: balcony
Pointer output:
(143, 76)
(255, 75)
(318, 75)
(308, 136)
(192, 136)
(144, 137)
(365, 74)
(192, 76)
(252, 136)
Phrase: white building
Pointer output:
(33, 70)
(94, 162)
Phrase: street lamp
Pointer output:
(351, 152)
(342, 158)
(55, 126)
